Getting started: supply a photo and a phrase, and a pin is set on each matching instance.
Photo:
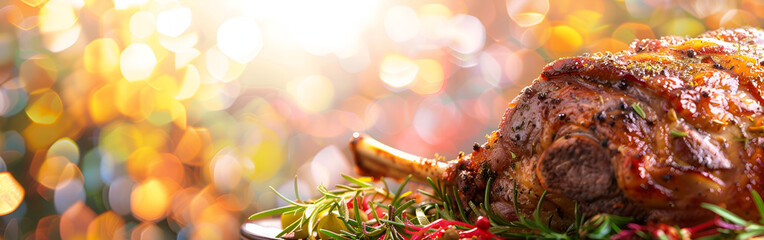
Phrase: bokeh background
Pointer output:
(164, 119)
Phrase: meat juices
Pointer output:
(650, 132)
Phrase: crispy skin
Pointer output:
(707, 90)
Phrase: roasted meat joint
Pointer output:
(650, 132)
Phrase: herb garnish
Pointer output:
(676, 133)
(391, 216)
(638, 109)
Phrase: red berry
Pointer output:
(365, 205)
(483, 223)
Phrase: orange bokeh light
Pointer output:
(149, 201)
(108, 225)
(11, 193)
(75, 221)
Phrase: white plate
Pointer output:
(261, 229)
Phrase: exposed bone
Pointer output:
(376, 159)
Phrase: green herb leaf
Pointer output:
(676, 133)
(537, 211)
(538, 207)
(404, 206)
(392, 223)
(287, 199)
(296, 192)
(435, 188)
(638, 109)
(754, 227)
(605, 228)
(290, 228)
(387, 188)
(373, 210)
(356, 209)
(423, 192)
(749, 235)
(759, 204)
(420, 217)
(445, 215)
(486, 205)
(356, 181)
(474, 209)
(662, 236)
(642, 235)
(459, 204)
(397, 197)
(274, 211)
(724, 213)
(331, 234)
(326, 192)
(580, 218)
(514, 200)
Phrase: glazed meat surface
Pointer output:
(650, 132)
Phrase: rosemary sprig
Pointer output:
(369, 212)
(349, 203)
(744, 229)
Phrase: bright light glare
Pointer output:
(190, 84)
(56, 16)
(468, 34)
(125, 4)
(137, 62)
(183, 58)
(527, 13)
(61, 40)
(313, 93)
(142, 24)
(174, 22)
(397, 71)
(240, 39)
(324, 27)
(401, 23)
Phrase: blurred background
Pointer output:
(168, 119)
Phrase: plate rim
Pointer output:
(247, 234)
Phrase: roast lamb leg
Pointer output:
(650, 132)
